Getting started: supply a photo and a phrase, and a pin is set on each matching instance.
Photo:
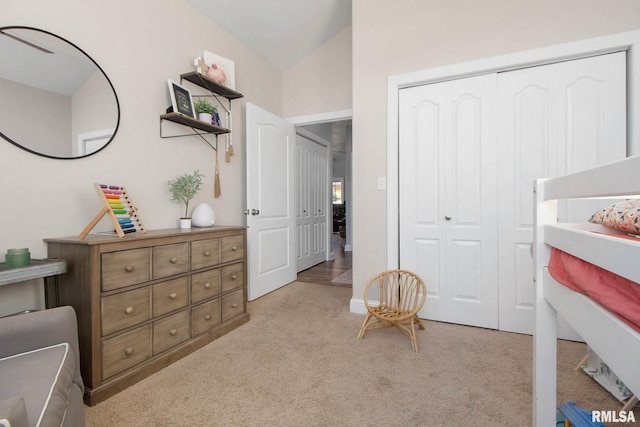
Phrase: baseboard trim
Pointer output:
(356, 305)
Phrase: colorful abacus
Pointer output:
(118, 206)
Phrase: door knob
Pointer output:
(447, 217)
(255, 211)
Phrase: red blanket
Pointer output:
(618, 295)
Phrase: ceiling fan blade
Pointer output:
(25, 42)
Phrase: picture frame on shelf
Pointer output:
(181, 99)
(224, 73)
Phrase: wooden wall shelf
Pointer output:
(199, 127)
(192, 123)
(215, 88)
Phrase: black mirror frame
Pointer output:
(115, 95)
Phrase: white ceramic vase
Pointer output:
(203, 216)
(185, 222)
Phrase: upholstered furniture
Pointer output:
(40, 382)
(147, 299)
(400, 295)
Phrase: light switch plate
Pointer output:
(382, 183)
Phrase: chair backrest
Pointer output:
(400, 290)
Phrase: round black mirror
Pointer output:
(57, 101)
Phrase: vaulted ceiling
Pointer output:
(280, 31)
(283, 32)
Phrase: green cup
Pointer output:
(17, 258)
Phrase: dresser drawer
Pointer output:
(170, 296)
(125, 351)
(205, 316)
(170, 259)
(125, 309)
(170, 332)
(232, 248)
(205, 253)
(232, 276)
(232, 305)
(205, 285)
(125, 268)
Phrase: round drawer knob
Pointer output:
(234, 276)
(128, 351)
(234, 305)
(128, 268)
(207, 253)
(173, 295)
(173, 332)
(207, 285)
(234, 248)
(173, 260)
(128, 310)
(207, 317)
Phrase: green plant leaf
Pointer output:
(184, 188)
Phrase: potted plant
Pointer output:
(204, 109)
(183, 189)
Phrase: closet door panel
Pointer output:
(320, 191)
(465, 163)
(425, 161)
(303, 232)
(312, 190)
(448, 197)
(421, 196)
(472, 298)
(596, 125)
(429, 252)
(555, 119)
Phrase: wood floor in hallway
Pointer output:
(325, 272)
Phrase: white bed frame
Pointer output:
(613, 340)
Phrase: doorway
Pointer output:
(335, 269)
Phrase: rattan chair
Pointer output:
(402, 295)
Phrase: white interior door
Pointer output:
(554, 119)
(448, 203)
(270, 202)
(303, 217)
(312, 199)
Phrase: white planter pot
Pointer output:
(205, 117)
(185, 222)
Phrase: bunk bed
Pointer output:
(614, 338)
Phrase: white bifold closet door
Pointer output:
(469, 151)
(312, 199)
(555, 119)
(448, 197)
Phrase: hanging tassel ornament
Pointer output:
(229, 141)
(216, 184)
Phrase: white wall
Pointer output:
(413, 36)
(31, 111)
(321, 82)
(139, 44)
(89, 114)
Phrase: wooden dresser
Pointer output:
(146, 300)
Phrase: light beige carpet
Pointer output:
(298, 363)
